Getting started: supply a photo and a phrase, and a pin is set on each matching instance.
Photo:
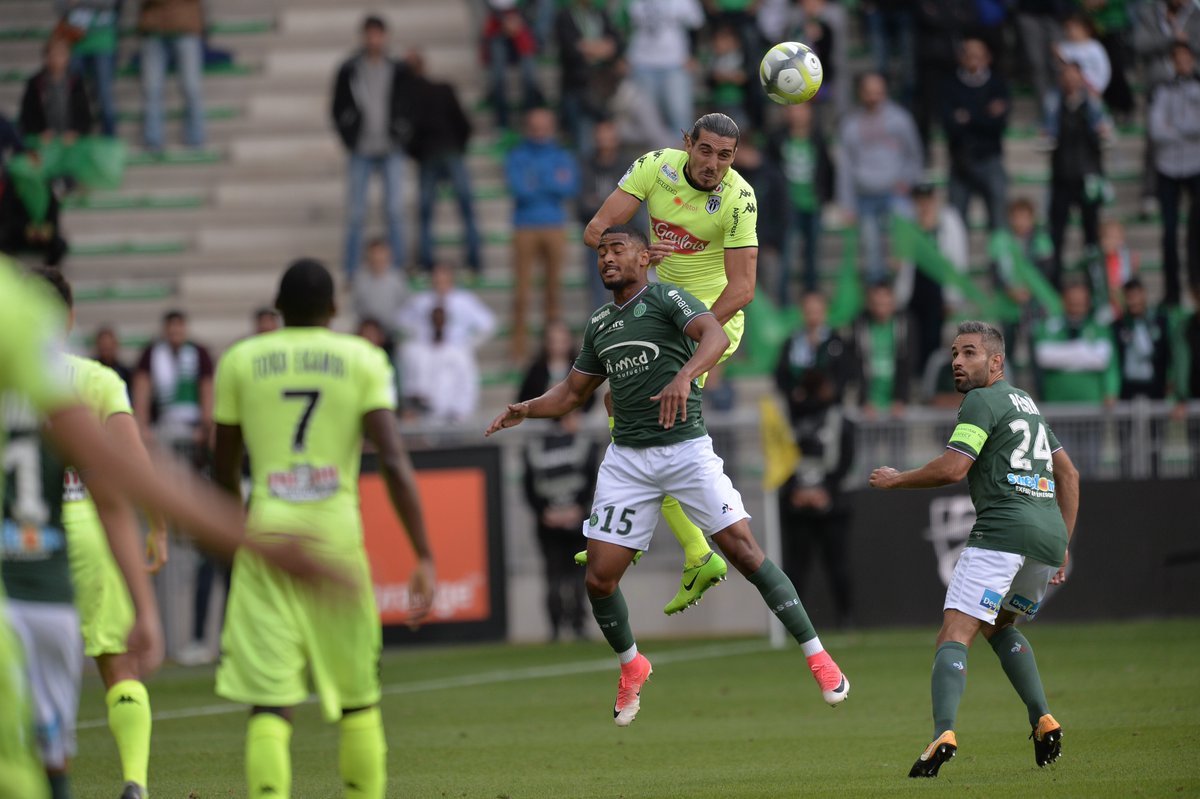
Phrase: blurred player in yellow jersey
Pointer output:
(105, 610)
(298, 401)
(33, 371)
(704, 239)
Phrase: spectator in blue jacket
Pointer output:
(542, 175)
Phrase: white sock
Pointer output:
(628, 655)
(812, 647)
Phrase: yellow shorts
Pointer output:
(276, 630)
(101, 596)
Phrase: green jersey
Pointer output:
(699, 225)
(640, 346)
(299, 395)
(102, 391)
(33, 381)
(1012, 479)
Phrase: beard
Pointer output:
(615, 284)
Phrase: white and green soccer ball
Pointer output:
(791, 73)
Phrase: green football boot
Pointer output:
(695, 581)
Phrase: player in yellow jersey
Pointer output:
(32, 368)
(298, 401)
(704, 239)
(106, 612)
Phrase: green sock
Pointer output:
(1016, 657)
(781, 597)
(362, 755)
(695, 545)
(268, 761)
(60, 785)
(129, 720)
(948, 683)
(612, 614)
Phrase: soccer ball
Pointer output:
(791, 73)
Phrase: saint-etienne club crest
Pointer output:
(714, 203)
(639, 310)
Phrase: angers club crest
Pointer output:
(714, 203)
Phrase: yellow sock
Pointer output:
(268, 759)
(129, 720)
(362, 755)
(695, 545)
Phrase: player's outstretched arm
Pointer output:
(559, 400)
(618, 209)
(712, 342)
(1066, 492)
(946, 469)
(123, 430)
(212, 518)
(119, 520)
(741, 270)
(400, 479)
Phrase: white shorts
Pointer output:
(49, 633)
(632, 483)
(986, 580)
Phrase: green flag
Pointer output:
(847, 300)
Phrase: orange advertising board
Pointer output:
(455, 504)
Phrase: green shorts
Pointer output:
(101, 596)
(276, 630)
(20, 764)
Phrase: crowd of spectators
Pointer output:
(944, 78)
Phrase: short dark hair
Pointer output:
(866, 75)
(1022, 204)
(993, 339)
(377, 241)
(374, 21)
(54, 276)
(174, 315)
(717, 124)
(1178, 45)
(1133, 283)
(305, 293)
(634, 233)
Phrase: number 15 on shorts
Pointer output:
(604, 518)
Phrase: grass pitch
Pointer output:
(726, 718)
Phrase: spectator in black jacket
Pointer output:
(560, 475)
(106, 348)
(440, 134)
(373, 116)
(598, 173)
(885, 354)
(1039, 23)
(975, 110)
(814, 346)
(1077, 125)
(560, 470)
(770, 195)
(1191, 340)
(804, 158)
(940, 25)
(55, 102)
(588, 48)
(813, 509)
(1143, 341)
